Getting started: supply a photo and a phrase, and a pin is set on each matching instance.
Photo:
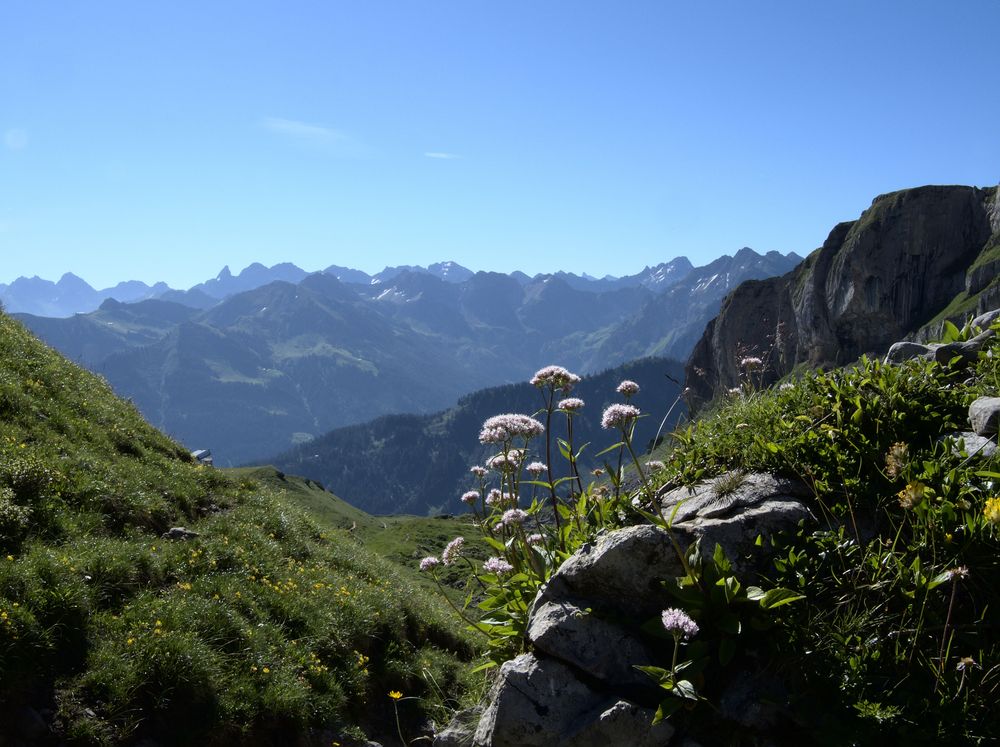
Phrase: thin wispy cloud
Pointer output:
(318, 137)
(16, 138)
(441, 155)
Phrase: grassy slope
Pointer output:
(266, 621)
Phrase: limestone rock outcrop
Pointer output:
(578, 686)
(874, 281)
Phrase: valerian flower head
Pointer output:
(536, 469)
(679, 624)
(571, 404)
(535, 539)
(508, 462)
(627, 388)
(496, 499)
(429, 563)
(619, 416)
(452, 550)
(505, 428)
(499, 566)
(751, 363)
(514, 516)
(470, 496)
(555, 377)
(478, 471)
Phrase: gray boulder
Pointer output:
(903, 351)
(624, 723)
(983, 321)
(732, 510)
(578, 636)
(461, 730)
(622, 572)
(984, 415)
(972, 443)
(539, 702)
(179, 533)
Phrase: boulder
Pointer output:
(983, 321)
(624, 723)
(179, 533)
(732, 510)
(461, 730)
(539, 702)
(578, 636)
(972, 443)
(903, 351)
(622, 572)
(534, 703)
(984, 415)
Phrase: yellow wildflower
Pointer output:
(912, 495)
(395, 694)
(992, 510)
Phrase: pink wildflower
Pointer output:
(514, 516)
(536, 469)
(499, 566)
(536, 539)
(619, 416)
(470, 496)
(478, 471)
(627, 388)
(504, 428)
(571, 404)
(556, 377)
(452, 550)
(429, 563)
(679, 624)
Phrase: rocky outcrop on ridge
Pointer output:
(876, 280)
(578, 686)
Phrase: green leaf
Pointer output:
(778, 597)
(684, 689)
(483, 667)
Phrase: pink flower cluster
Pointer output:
(429, 563)
(619, 416)
(504, 428)
(627, 388)
(571, 404)
(452, 550)
(679, 624)
(555, 377)
(536, 469)
(470, 496)
(499, 566)
(513, 516)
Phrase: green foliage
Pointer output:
(267, 622)
(900, 574)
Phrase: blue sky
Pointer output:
(161, 141)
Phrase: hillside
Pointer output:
(274, 366)
(255, 620)
(913, 259)
(419, 464)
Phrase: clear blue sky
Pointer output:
(161, 141)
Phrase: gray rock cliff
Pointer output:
(874, 281)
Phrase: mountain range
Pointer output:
(72, 295)
(263, 369)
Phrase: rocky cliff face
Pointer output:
(909, 258)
